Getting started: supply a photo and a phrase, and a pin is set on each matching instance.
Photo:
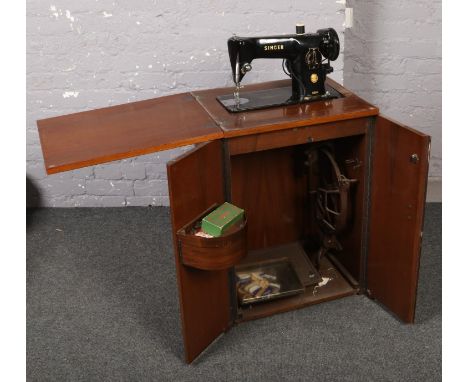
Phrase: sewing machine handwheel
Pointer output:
(330, 45)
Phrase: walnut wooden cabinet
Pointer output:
(253, 160)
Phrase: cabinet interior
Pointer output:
(272, 187)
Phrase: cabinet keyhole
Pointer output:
(414, 158)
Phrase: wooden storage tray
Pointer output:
(211, 254)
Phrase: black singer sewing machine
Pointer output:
(306, 59)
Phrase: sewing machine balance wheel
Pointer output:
(330, 44)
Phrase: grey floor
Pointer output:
(102, 306)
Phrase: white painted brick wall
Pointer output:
(393, 58)
(87, 54)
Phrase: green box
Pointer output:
(221, 219)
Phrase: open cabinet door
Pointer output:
(398, 190)
(195, 184)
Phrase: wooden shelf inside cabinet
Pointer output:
(212, 254)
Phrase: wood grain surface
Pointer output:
(271, 187)
(396, 215)
(195, 184)
(297, 136)
(103, 135)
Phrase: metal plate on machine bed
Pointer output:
(262, 99)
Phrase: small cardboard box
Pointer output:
(221, 219)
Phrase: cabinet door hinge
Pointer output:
(179, 250)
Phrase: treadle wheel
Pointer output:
(331, 201)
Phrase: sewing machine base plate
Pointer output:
(262, 99)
